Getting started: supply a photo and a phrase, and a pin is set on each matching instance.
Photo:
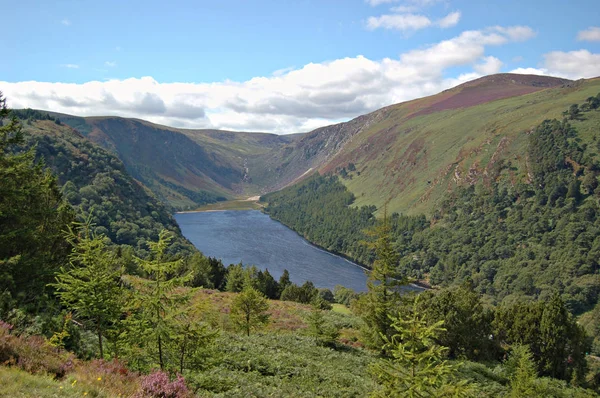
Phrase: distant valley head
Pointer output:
(406, 155)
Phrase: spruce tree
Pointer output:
(417, 367)
(249, 310)
(157, 298)
(383, 296)
(91, 285)
(33, 217)
(521, 372)
(324, 332)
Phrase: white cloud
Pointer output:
(516, 33)
(110, 64)
(489, 66)
(410, 22)
(403, 22)
(449, 20)
(66, 22)
(70, 66)
(286, 102)
(529, 71)
(590, 34)
(573, 64)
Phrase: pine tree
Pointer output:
(157, 298)
(521, 372)
(33, 217)
(91, 285)
(383, 297)
(249, 310)
(324, 332)
(417, 367)
(189, 336)
(553, 333)
(235, 278)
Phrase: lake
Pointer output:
(255, 239)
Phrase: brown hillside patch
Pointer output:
(487, 89)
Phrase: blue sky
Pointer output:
(277, 66)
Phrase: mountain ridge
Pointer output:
(388, 147)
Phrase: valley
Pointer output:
(486, 192)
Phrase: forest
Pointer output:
(102, 296)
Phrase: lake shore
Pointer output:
(250, 203)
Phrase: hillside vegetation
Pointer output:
(515, 240)
(97, 186)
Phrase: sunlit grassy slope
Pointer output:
(411, 160)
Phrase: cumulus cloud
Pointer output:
(529, 71)
(573, 64)
(288, 101)
(590, 34)
(489, 66)
(450, 20)
(410, 22)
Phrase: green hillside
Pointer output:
(413, 153)
(97, 186)
(519, 231)
(186, 168)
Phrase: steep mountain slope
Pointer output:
(184, 168)
(409, 154)
(527, 228)
(97, 185)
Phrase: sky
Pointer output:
(278, 66)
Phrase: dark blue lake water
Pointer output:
(255, 239)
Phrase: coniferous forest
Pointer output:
(101, 295)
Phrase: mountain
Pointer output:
(406, 155)
(409, 154)
(516, 213)
(184, 168)
(97, 186)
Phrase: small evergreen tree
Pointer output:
(157, 298)
(249, 310)
(521, 372)
(235, 278)
(284, 281)
(417, 367)
(324, 333)
(91, 285)
(383, 296)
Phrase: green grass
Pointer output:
(18, 383)
(231, 205)
(341, 309)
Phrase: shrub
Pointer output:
(33, 354)
(158, 385)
